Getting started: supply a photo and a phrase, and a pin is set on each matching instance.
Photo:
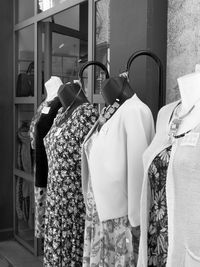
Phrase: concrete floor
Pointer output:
(12, 254)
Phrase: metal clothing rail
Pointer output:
(161, 96)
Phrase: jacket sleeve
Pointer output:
(139, 129)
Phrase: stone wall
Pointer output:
(183, 45)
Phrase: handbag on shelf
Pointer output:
(25, 82)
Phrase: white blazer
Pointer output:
(182, 194)
(116, 168)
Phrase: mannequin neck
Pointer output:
(116, 88)
(68, 95)
(189, 86)
(52, 86)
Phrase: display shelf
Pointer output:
(24, 100)
(28, 177)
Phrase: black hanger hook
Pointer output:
(161, 99)
(89, 63)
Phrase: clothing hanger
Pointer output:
(161, 95)
(89, 63)
(80, 79)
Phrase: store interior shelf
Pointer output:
(27, 176)
(25, 100)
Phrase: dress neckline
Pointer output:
(195, 128)
(60, 118)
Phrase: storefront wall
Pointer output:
(183, 45)
(136, 28)
(6, 115)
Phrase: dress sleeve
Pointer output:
(139, 131)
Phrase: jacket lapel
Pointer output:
(92, 130)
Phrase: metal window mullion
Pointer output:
(35, 66)
(35, 7)
(47, 52)
(40, 30)
(15, 47)
(48, 13)
(91, 47)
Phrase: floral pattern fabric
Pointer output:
(40, 199)
(158, 224)
(109, 243)
(33, 123)
(65, 209)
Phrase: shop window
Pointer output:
(24, 194)
(46, 4)
(25, 63)
(64, 44)
(102, 39)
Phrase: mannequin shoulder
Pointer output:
(166, 111)
(136, 110)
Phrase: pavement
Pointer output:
(12, 254)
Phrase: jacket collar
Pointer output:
(93, 129)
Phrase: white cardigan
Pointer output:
(116, 161)
(182, 194)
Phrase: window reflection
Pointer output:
(102, 48)
(46, 4)
(25, 9)
(65, 56)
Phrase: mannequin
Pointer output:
(112, 176)
(52, 86)
(171, 170)
(42, 126)
(71, 96)
(64, 206)
(190, 96)
(116, 88)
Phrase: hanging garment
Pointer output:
(19, 198)
(38, 201)
(113, 162)
(42, 127)
(182, 194)
(158, 224)
(25, 156)
(106, 243)
(65, 210)
(24, 192)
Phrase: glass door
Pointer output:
(54, 42)
(64, 43)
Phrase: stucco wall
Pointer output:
(183, 45)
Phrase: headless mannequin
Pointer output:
(189, 86)
(52, 86)
(116, 88)
(71, 96)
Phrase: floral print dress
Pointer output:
(158, 224)
(113, 243)
(65, 210)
